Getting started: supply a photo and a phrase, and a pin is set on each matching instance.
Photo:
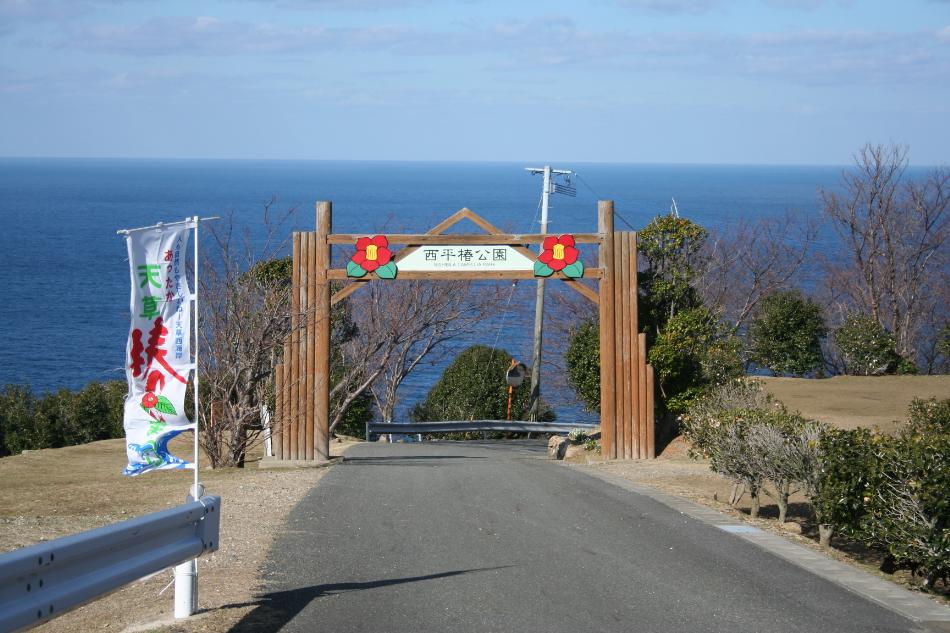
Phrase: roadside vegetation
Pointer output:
(62, 418)
(762, 300)
(887, 491)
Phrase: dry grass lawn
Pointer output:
(855, 401)
(51, 493)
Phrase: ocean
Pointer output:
(64, 275)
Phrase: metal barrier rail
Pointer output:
(43, 581)
(476, 425)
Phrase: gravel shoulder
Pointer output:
(52, 493)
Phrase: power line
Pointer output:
(600, 197)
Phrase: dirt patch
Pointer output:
(51, 493)
(857, 401)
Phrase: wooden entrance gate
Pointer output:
(301, 421)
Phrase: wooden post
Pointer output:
(287, 421)
(621, 406)
(635, 331)
(651, 444)
(642, 361)
(306, 362)
(295, 351)
(321, 348)
(629, 356)
(605, 226)
(631, 326)
(302, 350)
(277, 420)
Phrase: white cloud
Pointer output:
(672, 6)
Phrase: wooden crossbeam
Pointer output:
(462, 238)
(435, 235)
(338, 274)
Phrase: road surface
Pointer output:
(492, 537)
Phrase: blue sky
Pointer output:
(655, 81)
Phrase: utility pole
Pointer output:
(546, 191)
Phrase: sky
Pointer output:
(628, 81)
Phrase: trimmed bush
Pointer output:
(691, 354)
(473, 387)
(867, 347)
(785, 334)
(63, 418)
(909, 510)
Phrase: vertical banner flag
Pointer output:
(158, 355)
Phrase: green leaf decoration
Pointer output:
(575, 270)
(164, 405)
(355, 270)
(387, 272)
(542, 270)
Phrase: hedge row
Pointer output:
(888, 492)
(63, 418)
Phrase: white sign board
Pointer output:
(435, 257)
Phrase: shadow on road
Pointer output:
(274, 610)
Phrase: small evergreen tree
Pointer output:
(867, 347)
(583, 363)
(692, 353)
(473, 387)
(785, 334)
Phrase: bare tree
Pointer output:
(753, 260)
(786, 455)
(245, 318)
(894, 232)
(397, 324)
(439, 312)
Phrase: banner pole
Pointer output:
(196, 492)
(186, 574)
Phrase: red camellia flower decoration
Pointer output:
(149, 400)
(559, 252)
(559, 255)
(372, 252)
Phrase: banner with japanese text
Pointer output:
(158, 355)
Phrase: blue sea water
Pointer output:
(63, 271)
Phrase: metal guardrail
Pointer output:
(476, 425)
(43, 581)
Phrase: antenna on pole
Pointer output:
(547, 188)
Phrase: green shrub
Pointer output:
(577, 435)
(583, 363)
(909, 509)
(929, 416)
(944, 344)
(63, 418)
(473, 387)
(785, 334)
(17, 429)
(850, 470)
(867, 347)
(691, 354)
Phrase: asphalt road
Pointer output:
(491, 537)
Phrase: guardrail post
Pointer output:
(186, 574)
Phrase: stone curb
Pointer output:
(909, 604)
